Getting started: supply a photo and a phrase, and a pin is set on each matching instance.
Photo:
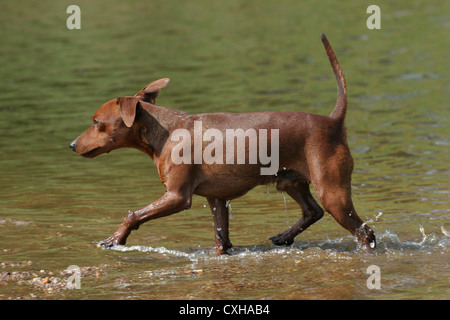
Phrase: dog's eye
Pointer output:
(96, 122)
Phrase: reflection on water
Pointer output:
(237, 57)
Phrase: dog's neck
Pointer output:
(154, 125)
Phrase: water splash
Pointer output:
(160, 250)
(388, 243)
(230, 211)
(373, 220)
(285, 207)
(378, 216)
(422, 230)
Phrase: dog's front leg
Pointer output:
(170, 203)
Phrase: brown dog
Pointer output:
(304, 148)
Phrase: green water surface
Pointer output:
(224, 56)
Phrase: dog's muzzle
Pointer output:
(73, 145)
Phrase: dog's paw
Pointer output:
(111, 241)
(282, 239)
(106, 244)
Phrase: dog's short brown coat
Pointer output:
(312, 149)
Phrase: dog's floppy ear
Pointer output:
(128, 107)
(151, 91)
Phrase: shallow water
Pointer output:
(237, 57)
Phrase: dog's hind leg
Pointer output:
(337, 201)
(332, 182)
(312, 212)
(219, 211)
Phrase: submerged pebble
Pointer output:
(45, 280)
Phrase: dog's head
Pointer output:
(113, 123)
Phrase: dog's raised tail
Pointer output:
(341, 103)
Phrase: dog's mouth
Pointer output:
(90, 154)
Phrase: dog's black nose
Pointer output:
(72, 145)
